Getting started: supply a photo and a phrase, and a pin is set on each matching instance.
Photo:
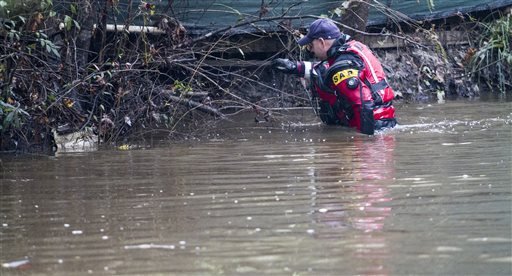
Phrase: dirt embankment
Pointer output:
(415, 73)
(178, 92)
(424, 74)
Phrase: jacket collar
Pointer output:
(338, 46)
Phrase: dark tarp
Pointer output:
(202, 16)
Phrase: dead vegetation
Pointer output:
(67, 70)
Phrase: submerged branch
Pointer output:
(193, 104)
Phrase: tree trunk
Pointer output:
(356, 17)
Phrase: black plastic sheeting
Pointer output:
(418, 10)
(202, 16)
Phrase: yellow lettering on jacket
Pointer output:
(343, 75)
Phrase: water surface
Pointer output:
(289, 197)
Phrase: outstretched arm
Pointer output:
(299, 68)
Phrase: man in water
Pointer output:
(349, 81)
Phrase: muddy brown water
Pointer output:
(291, 197)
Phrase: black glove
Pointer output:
(289, 67)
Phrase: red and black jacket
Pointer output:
(353, 83)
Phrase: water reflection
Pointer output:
(351, 200)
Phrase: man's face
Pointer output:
(318, 48)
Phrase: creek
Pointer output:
(288, 197)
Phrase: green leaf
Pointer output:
(6, 105)
(46, 4)
(8, 119)
(16, 122)
(23, 112)
(55, 52)
(72, 8)
(68, 22)
(77, 25)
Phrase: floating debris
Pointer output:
(322, 210)
(124, 147)
(79, 141)
(150, 246)
(18, 264)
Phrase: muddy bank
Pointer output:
(179, 91)
(424, 74)
(416, 74)
(438, 60)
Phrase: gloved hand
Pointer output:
(289, 67)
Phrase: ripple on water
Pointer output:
(431, 196)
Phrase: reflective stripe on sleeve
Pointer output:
(307, 70)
